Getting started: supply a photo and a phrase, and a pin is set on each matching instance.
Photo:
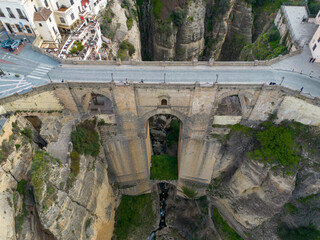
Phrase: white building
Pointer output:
(314, 44)
(17, 18)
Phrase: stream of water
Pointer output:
(163, 195)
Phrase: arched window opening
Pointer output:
(100, 103)
(229, 106)
(164, 102)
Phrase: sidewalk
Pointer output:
(299, 64)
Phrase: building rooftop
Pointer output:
(42, 15)
(297, 18)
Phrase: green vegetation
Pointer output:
(281, 145)
(139, 2)
(19, 219)
(40, 172)
(164, 167)
(178, 17)
(129, 23)
(225, 231)
(27, 132)
(189, 192)
(125, 48)
(277, 146)
(85, 139)
(267, 46)
(88, 223)
(77, 47)
(292, 209)
(190, 19)
(157, 8)
(75, 163)
(309, 232)
(21, 187)
(173, 135)
(134, 212)
(305, 200)
(314, 7)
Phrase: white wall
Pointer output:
(315, 41)
(13, 5)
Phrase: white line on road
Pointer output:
(40, 70)
(45, 68)
(31, 76)
(27, 84)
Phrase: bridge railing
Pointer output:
(133, 62)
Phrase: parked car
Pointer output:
(14, 45)
(7, 43)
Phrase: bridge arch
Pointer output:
(149, 138)
(97, 103)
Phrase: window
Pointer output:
(72, 16)
(79, 9)
(1, 13)
(46, 3)
(35, 8)
(10, 13)
(28, 28)
(55, 31)
(49, 19)
(9, 28)
(62, 20)
(40, 24)
(57, 5)
(71, 2)
(164, 102)
(319, 39)
(20, 13)
(314, 47)
(18, 27)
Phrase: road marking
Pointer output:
(40, 70)
(24, 85)
(45, 68)
(31, 76)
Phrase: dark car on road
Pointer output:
(14, 45)
(7, 43)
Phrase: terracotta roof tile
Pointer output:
(42, 15)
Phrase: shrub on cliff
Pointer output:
(85, 139)
(308, 233)
(277, 145)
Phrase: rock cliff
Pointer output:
(257, 197)
(120, 23)
(40, 198)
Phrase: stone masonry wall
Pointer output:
(195, 106)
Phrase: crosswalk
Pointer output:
(40, 71)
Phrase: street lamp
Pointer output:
(49, 77)
(217, 75)
(164, 77)
(282, 79)
(112, 77)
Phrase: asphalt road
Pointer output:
(35, 69)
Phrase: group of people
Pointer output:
(312, 60)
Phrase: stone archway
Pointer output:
(163, 144)
(97, 103)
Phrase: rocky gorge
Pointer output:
(49, 195)
(185, 30)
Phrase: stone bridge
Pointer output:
(200, 109)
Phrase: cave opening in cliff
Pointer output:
(36, 124)
(163, 146)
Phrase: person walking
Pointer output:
(310, 60)
(301, 90)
